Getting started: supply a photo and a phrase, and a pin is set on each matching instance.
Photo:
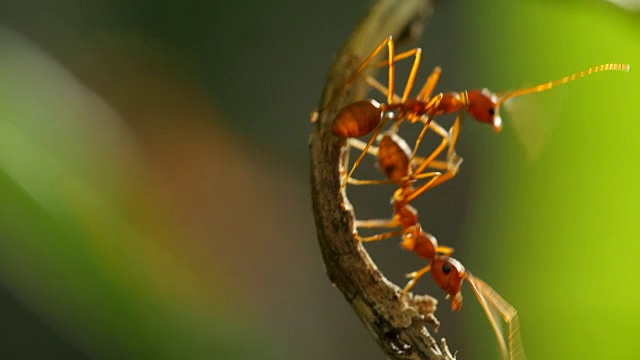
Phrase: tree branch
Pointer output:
(397, 323)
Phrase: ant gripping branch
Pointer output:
(449, 274)
(364, 117)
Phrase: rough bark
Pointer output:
(397, 323)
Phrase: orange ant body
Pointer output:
(393, 156)
(449, 274)
(363, 117)
(394, 153)
(399, 165)
(393, 159)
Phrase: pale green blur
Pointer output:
(154, 181)
(559, 234)
(73, 248)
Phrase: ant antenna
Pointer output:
(564, 80)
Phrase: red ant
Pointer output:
(362, 117)
(447, 272)
(449, 275)
(394, 155)
(393, 158)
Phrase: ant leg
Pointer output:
(453, 160)
(379, 237)
(429, 84)
(377, 223)
(437, 180)
(432, 104)
(433, 164)
(417, 54)
(353, 181)
(398, 57)
(444, 250)
(415, 276)
(373, 150)
(454, 133)
(423, 188)
(428, 122)
(382, 89)
(364, 152)
(412, 75)
(388, 42)
(433, 125)
(452, 167)
(315, 113)
(453, 171)
(361, 145)
(434, 174)
(417, 144)
(430, 159)
(385, 91)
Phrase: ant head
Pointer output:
(484, 107)
(449, 274)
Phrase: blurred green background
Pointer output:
(154, 179)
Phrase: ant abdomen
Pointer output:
(357, 119)
(393, 156)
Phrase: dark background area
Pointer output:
(179, 223)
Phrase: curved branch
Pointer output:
(396, 322)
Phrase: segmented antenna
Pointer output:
(564, 80)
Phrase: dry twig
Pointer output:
(397, 323)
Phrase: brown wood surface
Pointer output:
(399, 324)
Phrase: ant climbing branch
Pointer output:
(393, 320)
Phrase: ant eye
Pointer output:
(492, 111)
(446, 269)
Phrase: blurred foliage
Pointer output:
(74, 246)
(154, 189)
(559, 233)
